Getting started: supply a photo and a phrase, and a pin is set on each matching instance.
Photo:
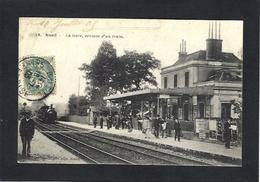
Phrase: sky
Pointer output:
(76, 41)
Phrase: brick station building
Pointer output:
(197, 88)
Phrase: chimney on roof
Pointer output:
(182, 52)
(214, 42)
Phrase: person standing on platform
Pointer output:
(134, 121)
(109, 119)
(177, 128)
(95, 121)
(139, 122)
(227, 133)
(129, 123)
(117, 122)
(157, 123)
(101, 121)
(168, 126)
(163, 126)
(26, 130)
(123, 122)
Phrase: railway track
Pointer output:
(137, 153)
(87, 152)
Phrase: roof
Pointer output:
(205, 90)
(201, 55)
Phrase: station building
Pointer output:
(197, 89)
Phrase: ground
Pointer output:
(45, 150)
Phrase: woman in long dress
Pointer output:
(147, 126)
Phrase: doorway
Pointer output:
(225, 110)
(186, 112)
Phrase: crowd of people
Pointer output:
(159, 127)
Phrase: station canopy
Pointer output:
(162, 93)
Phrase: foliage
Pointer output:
(237, 103)
(100, 73)
(108, 74)
(237, 107)
(78, 105)
(137, 69)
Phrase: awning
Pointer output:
(205, 90)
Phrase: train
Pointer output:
(47, 115)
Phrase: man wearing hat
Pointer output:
(157, 123)
(26, 132)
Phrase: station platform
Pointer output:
(205, 149)
(46, 151)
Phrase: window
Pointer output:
(165, 82)
(175, 81)
(186, 79)
(201, 110)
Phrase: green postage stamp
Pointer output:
(36, 78)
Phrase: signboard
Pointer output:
(233, 127)
(202, 134)
(213, 125)
(200, 125)
(164, 97)
(173, 100)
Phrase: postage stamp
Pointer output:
(36, 78)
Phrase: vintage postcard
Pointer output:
(130, 91)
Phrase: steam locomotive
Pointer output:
(47, 115)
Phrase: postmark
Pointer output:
(36, 78)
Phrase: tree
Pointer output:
(138, 69)
(101, 69)
(78, 105)
(237, 108)
(101, 72)
(73, 104)
(108, 74)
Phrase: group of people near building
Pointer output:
(125, 122)
(160, 126)
(157, 126)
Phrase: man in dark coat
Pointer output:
(101, 121)
(227, 133)
(177, 128)
(26, 132)
(95, 121)
(157, 123)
